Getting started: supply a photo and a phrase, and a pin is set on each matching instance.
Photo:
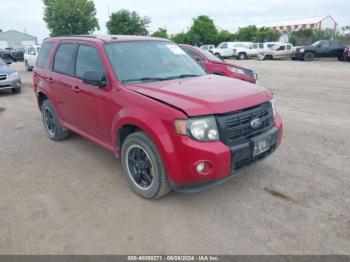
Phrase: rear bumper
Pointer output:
(226, 162)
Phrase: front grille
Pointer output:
(3, 77)
(235, 127)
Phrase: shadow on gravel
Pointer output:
(279, 194)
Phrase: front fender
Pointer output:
(158, 128)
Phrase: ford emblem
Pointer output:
(256, 123)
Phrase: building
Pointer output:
(319, 22)
(16, 39)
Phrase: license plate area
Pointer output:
(261, 145)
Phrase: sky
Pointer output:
(176, 16)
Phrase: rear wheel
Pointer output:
(52, 126)
(143, 167)
(309, 56)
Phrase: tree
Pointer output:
(264, 34)
(181, 38)
(248, 33)
(125, 22)
(70, 17)
(309, 36)
(202, 31)
(224, 36)
(161, 32)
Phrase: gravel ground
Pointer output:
(71, 197)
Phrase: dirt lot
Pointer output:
(71, 197)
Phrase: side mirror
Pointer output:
(94, 78)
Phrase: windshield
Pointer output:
(316, 43)
(208, 55)
(2, 62)
(141, 61)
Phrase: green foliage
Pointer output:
(202, 31)
(125, 22)
(70, 17)
(224, 36)
(161, 32)
(309, 36)
(253, 34)
(181, 38)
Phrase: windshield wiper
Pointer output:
(145, 79)
(150, 79)
(182, 76)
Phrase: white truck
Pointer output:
(30, 56)
(225, 49)
(252, 50)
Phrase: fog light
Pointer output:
(200, 168)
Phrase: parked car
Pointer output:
(209, 48)
(215, 65)
(5, 55)
(17, 54)
(247, 51)
(323, 48)
(9, 78)
(225, 49)
(145, 100)
(346, 53)
(30, 56)
(278, 51)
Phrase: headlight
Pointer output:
(201, 128)
(13, 76)
(235, 70)
(273, 104)
(302, 50)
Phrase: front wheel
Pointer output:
(143, 167)
(52, 125)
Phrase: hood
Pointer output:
(228, 64)
(5, 69)
(205, 95)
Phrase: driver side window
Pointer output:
(88, 60)
(224, 46)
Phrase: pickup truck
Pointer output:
(277, 51)
(323, 48)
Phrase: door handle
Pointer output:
(76, 89)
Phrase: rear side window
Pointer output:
(88, 60)
(64, 58)
(44, 55)
(193, 54)
(289, 47)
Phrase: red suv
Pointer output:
(215, 65)
(146, 101)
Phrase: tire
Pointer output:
(28, 67)
(309, 56)
(52, 125)
(16, 90)
(341, 58)
(149, 181)
(242, 56)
